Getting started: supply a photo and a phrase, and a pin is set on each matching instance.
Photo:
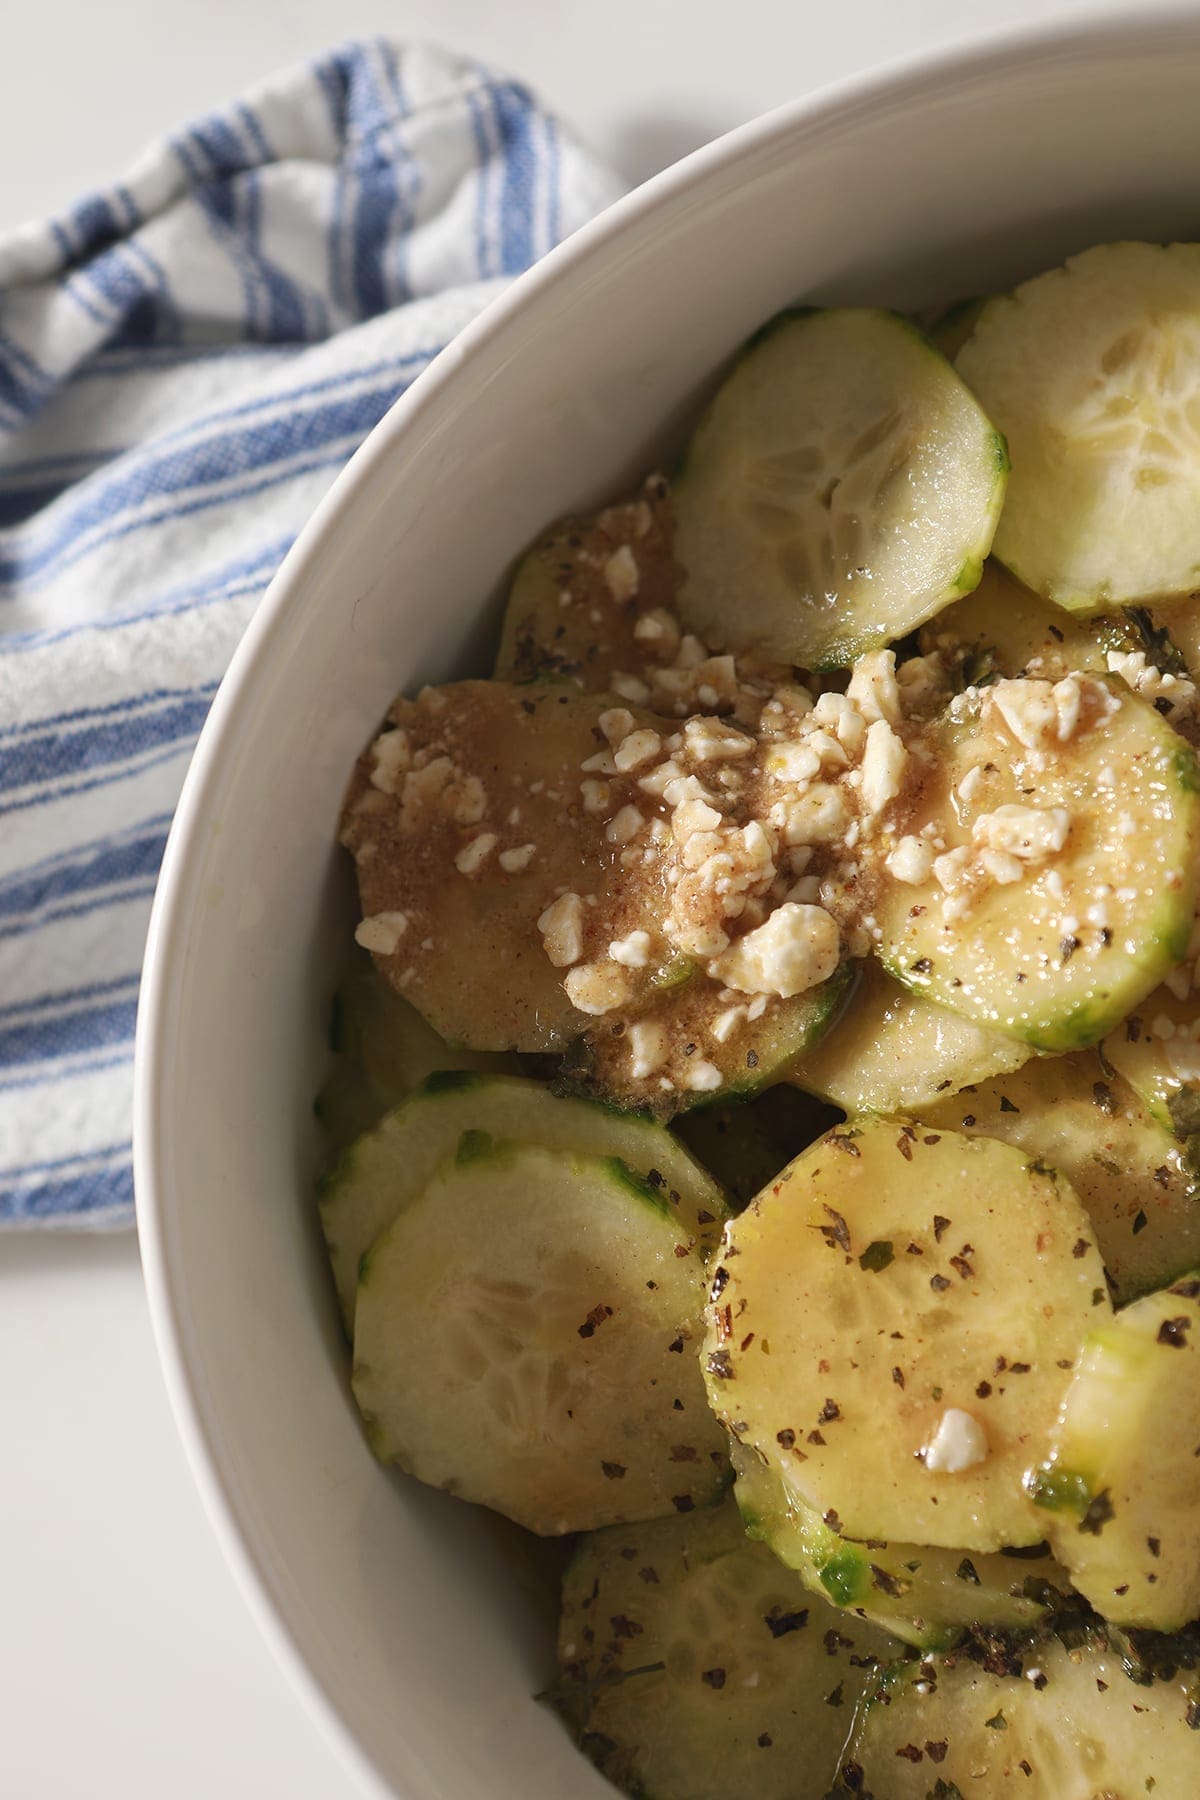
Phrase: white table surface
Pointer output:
(128, 1663)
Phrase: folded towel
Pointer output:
(186, 360)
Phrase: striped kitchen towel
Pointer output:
(186, 360)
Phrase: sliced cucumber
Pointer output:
(477, 763)
(694, 1666)
(739, 1062)
(1120, 1486)
(1157, 1050)
(1071, 1726)
(1090, 371)
(892, 1324)
(1090, 924)
(386, 1170)
(926, 1596)
(746, 1144)
(580, 590)
(1003, 629)
(890, 1051)
(842, 486)
(525, 1336)
(1074, 1115)
(383, 1051)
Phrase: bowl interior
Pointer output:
(420, 1628)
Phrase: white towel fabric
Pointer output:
(185, 362)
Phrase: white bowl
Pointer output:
(414, 1636)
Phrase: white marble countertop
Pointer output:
(128, 1664)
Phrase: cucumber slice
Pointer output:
(1074, 1115)
(1157, 1050)
(1060, 954)
(383, 1051)
(842, 486)
(1071, 1727)
(477, 763)
(1089, 370)
(926, 1596)
(744, 1146)
(893, 1052)
(578, 593)
(890, 1326)
(385, 1171)
(524, 1336)
(744, 1061)
(1120, 1485)
(694, 1666)
(1003, 629)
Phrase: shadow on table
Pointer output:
(32, 1253)
(644, 146)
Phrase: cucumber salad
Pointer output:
(765, 1111)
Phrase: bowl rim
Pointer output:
(900, 79)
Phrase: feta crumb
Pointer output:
(874, 689)
(951, 869)
(633, 951)
(796, 764)
(390, 758)
(630, 687)
(726, 1023)
(615, 724)
(1032, 833)
(701, 1076)
(711, 740)
(818, 816)
(597, 796)
(381, 932)
(796, 948)
(474, 854)
(627, 823)
(911, 861)
(561, 926)
(883, 765)
(602, 763)
(647, 1049)
(692, 816)
(621, 574)
(958, 1443)
(638, 748)
(596, 988)
(514, 861)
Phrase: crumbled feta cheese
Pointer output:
(602, 763)
(701, 1076)
(883, 765)
(712, 740)
(596, 988)
(797, 947)
(633, 951)
(911, 861)
(647, 1049)
(475, 853)
(958, 1443)
(626, 824)
(381, 932)
(561, 926)
(638, 748)
(1032, 833)
(621, 575)
(659, 631)
(873, 687)
(952, 869)
(597, 796)
(615, 724)
(1000, 867)
(726, 1023)
(817, 816)
(516, 860)
(797, 764)
(390, 758)
(630, 687)
(691, 816)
